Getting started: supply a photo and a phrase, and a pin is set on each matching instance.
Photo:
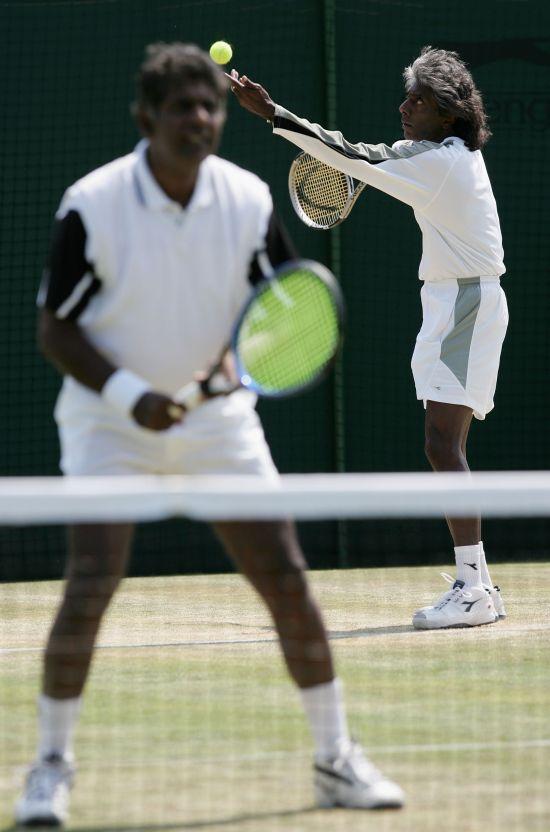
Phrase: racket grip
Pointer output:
(196, 392)
(190, 396)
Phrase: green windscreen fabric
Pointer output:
(67, 70)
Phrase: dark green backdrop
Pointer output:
(67, 70)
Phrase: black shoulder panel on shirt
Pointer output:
(67, 267)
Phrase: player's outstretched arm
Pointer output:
(253, 97)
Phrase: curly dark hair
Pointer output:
(168, 64)
(449, 81)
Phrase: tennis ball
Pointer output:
(221, 52)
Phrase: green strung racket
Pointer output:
(285, 339)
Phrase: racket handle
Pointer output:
(196, 392)
(189, 397)
(175, 411)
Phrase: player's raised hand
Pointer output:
(251, 96)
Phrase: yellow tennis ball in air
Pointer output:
(221, 52)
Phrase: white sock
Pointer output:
(324, 708)
(485, 577)
(468, 564)
(56, 724)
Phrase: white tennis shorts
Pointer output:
(223, 436)
(457, 352)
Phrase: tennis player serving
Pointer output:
(437, 169)
(153, 258)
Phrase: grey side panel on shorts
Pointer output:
(455, 347)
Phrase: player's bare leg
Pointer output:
(269, 555)
(98, 555)
(467, 603)
(446, 434)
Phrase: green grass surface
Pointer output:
(191, 723)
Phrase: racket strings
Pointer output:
(321, 192)
(303, 350)
(290, 334)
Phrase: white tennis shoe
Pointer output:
(353, 782)
(498, 603)
(45, 799)
(459, 607)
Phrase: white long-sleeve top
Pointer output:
(445, 183)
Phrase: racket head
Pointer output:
(321, 195)
(289, 332)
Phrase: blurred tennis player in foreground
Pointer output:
(439, 171)
(153, 256)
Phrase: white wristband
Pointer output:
(123, 389)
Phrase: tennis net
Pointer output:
(40, 500)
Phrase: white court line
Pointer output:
(376, 750)
(332, 637)
(460, 746)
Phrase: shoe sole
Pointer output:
(324, 799)
(377, 807)
(418, 626)
(329, 803)
(497, 616)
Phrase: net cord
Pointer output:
(51, 500)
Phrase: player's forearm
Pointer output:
(298, 129)
(66, 347)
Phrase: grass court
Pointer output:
(190, 722)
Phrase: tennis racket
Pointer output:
(321, 196)
(284, 341)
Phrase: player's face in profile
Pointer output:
(189, 122)
(421, 119)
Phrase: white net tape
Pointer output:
(44, 500)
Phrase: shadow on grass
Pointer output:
(370, 632)
(363, 632)
(174, 827)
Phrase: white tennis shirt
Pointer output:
(445, 183)
(164, 283)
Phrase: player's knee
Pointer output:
(87, 597)
(293, 584)
(431, 448)
(442, 450)
(287, 590)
